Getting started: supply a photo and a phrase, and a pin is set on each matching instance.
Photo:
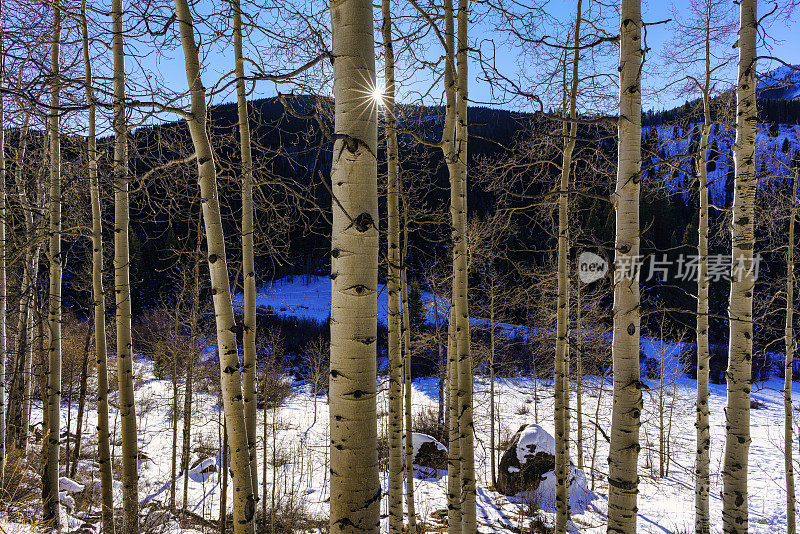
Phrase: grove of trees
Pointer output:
(143, 220)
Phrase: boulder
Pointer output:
(526, 461)
(69, 486)
(202, 469)
(428, 452)
(527, 470)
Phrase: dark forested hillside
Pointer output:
(292, 158)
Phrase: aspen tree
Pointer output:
(454, 458)
(407, 355)
(18, 412)
(230, 373)
(453, 452)
(223, 472)
(561, 367)
(697, 53)
(492, 409)
(193, 320)
(578, 377)
(458, 196)
(395, 482)
(740, 306)
(355, 488)
(703, 459)
(127, 403)
(623, 479)
(788, 441)
(98, 298)
(51, 508)
(248, 261)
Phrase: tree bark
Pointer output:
(395, 431)
(579, 377)
(187, 396)
(458, 199)
(453, 449)
(454, 485)
(223, 473)
(740, 307)
(51, 504)
(127, 402)
(407, 355)
(703, 458)
(248, 253)
(16, 438)
(788, 426)
(230, 373)
(623, 479)
(18, 412)
(81, 401)
(492, 439)
(355, 488)
(561, 367)
(174, 458)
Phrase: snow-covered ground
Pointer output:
(300, 448)
(297, 445)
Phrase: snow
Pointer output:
(70, 486)
(309, 297)
(781, 83)
(770, 157)
(202, 472)
(298, 467)
(301, 472)
(534, 439)
(417, 440)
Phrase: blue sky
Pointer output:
(787, 46)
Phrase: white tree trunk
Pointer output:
(355, 488)
(458, 209)
(561, 367)
(788, 426)
(248, 253)
(703, 459)
(230, 373)
(122, 287)
(740, 306)
(98, 298)
(407, 355)
(623, 479)
(395, 431)
(453, 451)
(51, 510)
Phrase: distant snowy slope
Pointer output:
(772, 162)
(782, 83)
(309, 297)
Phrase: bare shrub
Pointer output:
(427, 421)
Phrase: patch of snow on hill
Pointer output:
(782, 83)
(309, 297)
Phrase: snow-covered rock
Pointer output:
(534, 439)
(70, 486)
(428, 452)
(202, 470)
(526, 461)
(527, 471)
